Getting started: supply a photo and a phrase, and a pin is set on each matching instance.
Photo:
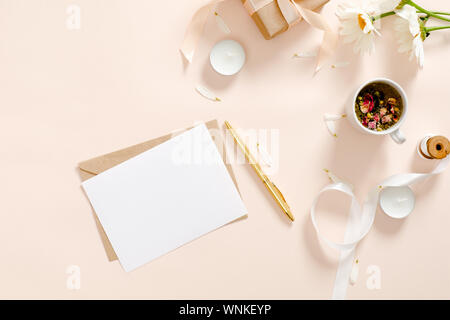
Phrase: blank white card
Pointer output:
(164, 197)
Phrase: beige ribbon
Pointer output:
(291, 11)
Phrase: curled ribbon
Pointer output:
(361, 219)
(195, 29)
(291, 11)
(330, 37)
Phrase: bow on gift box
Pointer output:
(291, 11)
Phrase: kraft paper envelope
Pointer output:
(92, 167)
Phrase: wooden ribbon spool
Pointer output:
(434, 147)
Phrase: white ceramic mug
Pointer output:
(393, 131)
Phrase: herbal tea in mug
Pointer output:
(378, 106)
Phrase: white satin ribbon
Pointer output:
(361, 219)
(195, 29)
(330, 37)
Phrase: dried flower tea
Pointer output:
(378, 106)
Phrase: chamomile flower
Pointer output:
(410, 33)
(357, 24)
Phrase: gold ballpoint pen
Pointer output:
(276, 193)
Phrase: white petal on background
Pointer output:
(330, 120)
(264, 155)
(341, 64)
(354, 273)
(206, 93)
(332, 176)
(336, 179)
(331, 126)
(222, 25)
(306, 54)
(333, 117)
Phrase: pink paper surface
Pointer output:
(69, 95)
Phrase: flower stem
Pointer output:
(438, 12)
(431, 14)
(386, 14)
(436, 28)
(441, 13)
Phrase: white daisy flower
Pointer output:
(409, 33)
(357, 24)
(388, 5)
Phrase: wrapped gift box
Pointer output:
(269, 18)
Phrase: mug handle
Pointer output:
(398, 136)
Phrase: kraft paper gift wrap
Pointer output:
(92, 167)
(269, 18)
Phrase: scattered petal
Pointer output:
(335, 179)
(330, 119)
(307, 54)
(341, 64)
(354, 273)
(331, 126)
(221, 23)
(206, 93)
(333, 117)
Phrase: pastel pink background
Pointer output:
(67, 96)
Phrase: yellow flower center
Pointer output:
(361, 22)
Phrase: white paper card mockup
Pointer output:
(164, 197)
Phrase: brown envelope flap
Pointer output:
(102, 163)
(92, 167)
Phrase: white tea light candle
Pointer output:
(397, 202)
(227, 57)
